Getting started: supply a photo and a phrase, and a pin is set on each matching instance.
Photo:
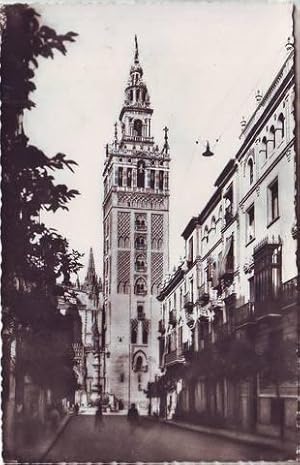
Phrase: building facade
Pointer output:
(83, 303)
(227, 348)
(135, 225)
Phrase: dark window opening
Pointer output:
(120, 176)
(145, 336)
(141, 174)
(152, 179)
(281, 125)
(137, 127)
(129, 177)
(250, 224)
(273, 201)
(133, 335)
(250, 167)
(140, 263)
(161, 180)
(272, 136)
(140, 287)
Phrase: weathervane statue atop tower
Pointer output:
(136, 56)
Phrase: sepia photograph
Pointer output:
(150, 227)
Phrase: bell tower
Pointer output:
(136, 228)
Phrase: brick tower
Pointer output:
(136, 228)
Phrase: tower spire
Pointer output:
(136, 55)
(91, 276)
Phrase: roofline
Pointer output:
(190, 227)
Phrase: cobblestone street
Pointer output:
(116, 440)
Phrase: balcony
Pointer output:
(161, 326)
(139, 226)
(188, 302)
(203, 295)
(174, 357)
(288, 293)
(244, 315)
(172, 318)
(223, 332)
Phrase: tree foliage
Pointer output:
(34, 256)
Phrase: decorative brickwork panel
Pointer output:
(123, 271)
(123, 229)
(156, 271)
(156, 231)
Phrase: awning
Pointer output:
(223, 264)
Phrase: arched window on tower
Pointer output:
(141, 174)
(250, 170)
(137, 127)
(131, 95)
(140, 263)
(140, 287)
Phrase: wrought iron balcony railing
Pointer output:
(244, 314)
(288, 292)
(174, 357)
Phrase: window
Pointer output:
(140, 242)
(145, 335)
(141, 174)
(205, 235)
(120, 176)
(134, 332)
(140, 221)
(251, 289)
(228, 205)
(140, 287)
(272, 136)
(161, 180)
(250, 170)
(152, 179)
(281, 125)
(139, 363)
(140, 263)
(140, 311)
(137, 126)
(263, 148)
(129, 177)
(273, 201)
(267, 274)
(250, 224)
(213, 224)
(191, 251)
(122, 378)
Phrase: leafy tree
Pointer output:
(34, 256)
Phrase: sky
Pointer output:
(203, 63)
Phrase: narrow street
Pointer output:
(116, 440)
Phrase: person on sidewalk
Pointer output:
(133, 416)
(99, 417)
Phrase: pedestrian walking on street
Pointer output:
(76, 409)
(99, 417)
(133, 416)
